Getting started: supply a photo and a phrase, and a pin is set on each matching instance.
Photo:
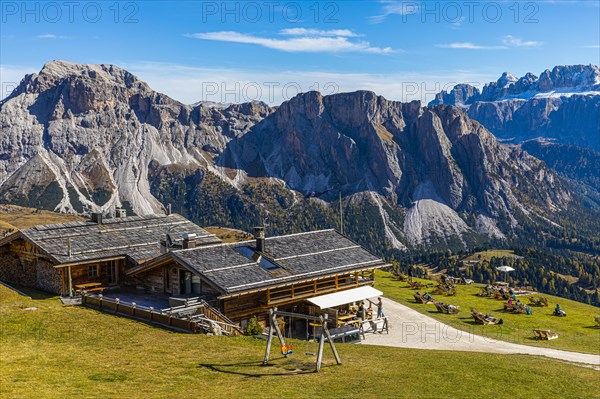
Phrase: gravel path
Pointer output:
(411, 329)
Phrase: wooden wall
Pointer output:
(257, 304)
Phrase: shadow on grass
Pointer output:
(290, 367)
(30, 292)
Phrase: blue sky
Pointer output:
(269, 50)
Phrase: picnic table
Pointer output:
(345, 319)
(86, 287)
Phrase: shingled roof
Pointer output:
(237, 267)
(136, 237)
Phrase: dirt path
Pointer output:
(411, 329)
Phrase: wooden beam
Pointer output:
(87, 262)
(70, 282)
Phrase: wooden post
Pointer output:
(277, 330)
(70, 282)
(315, 286)
(269, 338)
(331, 343)
(321, 344)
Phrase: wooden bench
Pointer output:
(545, 334)
(541, 301)
(85, 291)
(443, 308)
(481, 319)
(421, 299)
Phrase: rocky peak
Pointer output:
(505, 80)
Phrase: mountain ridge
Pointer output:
(562, 104)
(85, 138)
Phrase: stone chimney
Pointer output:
(121, 213)
(169, 209)
(259, 234)
(97, 217)
(189, 241)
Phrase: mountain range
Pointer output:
(78, 137)
(562, 105)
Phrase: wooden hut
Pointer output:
(246, 279)
(92, 254)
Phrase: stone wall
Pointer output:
(47, 277)
(17, 271)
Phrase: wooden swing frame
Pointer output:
(274, 328)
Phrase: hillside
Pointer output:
(577, 332)
(39, 347)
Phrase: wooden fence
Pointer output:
(195, 316)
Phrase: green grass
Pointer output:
(491, 253)
(59, 352)
(577, 331)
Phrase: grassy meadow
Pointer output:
(577, 332)
(58, 351)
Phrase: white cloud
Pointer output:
(512, 41)
(508, 41)
(469, 46)
(318, 32)
(458, 23)
(303, 44)
(394, 7)
(52, 36)
(594, 46)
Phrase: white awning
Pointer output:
(344, 297)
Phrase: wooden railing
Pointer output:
(195, 316)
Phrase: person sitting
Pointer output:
(510, 302)
(558, 311)
(527, 310)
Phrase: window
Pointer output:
(261, 260)
(92, 271)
